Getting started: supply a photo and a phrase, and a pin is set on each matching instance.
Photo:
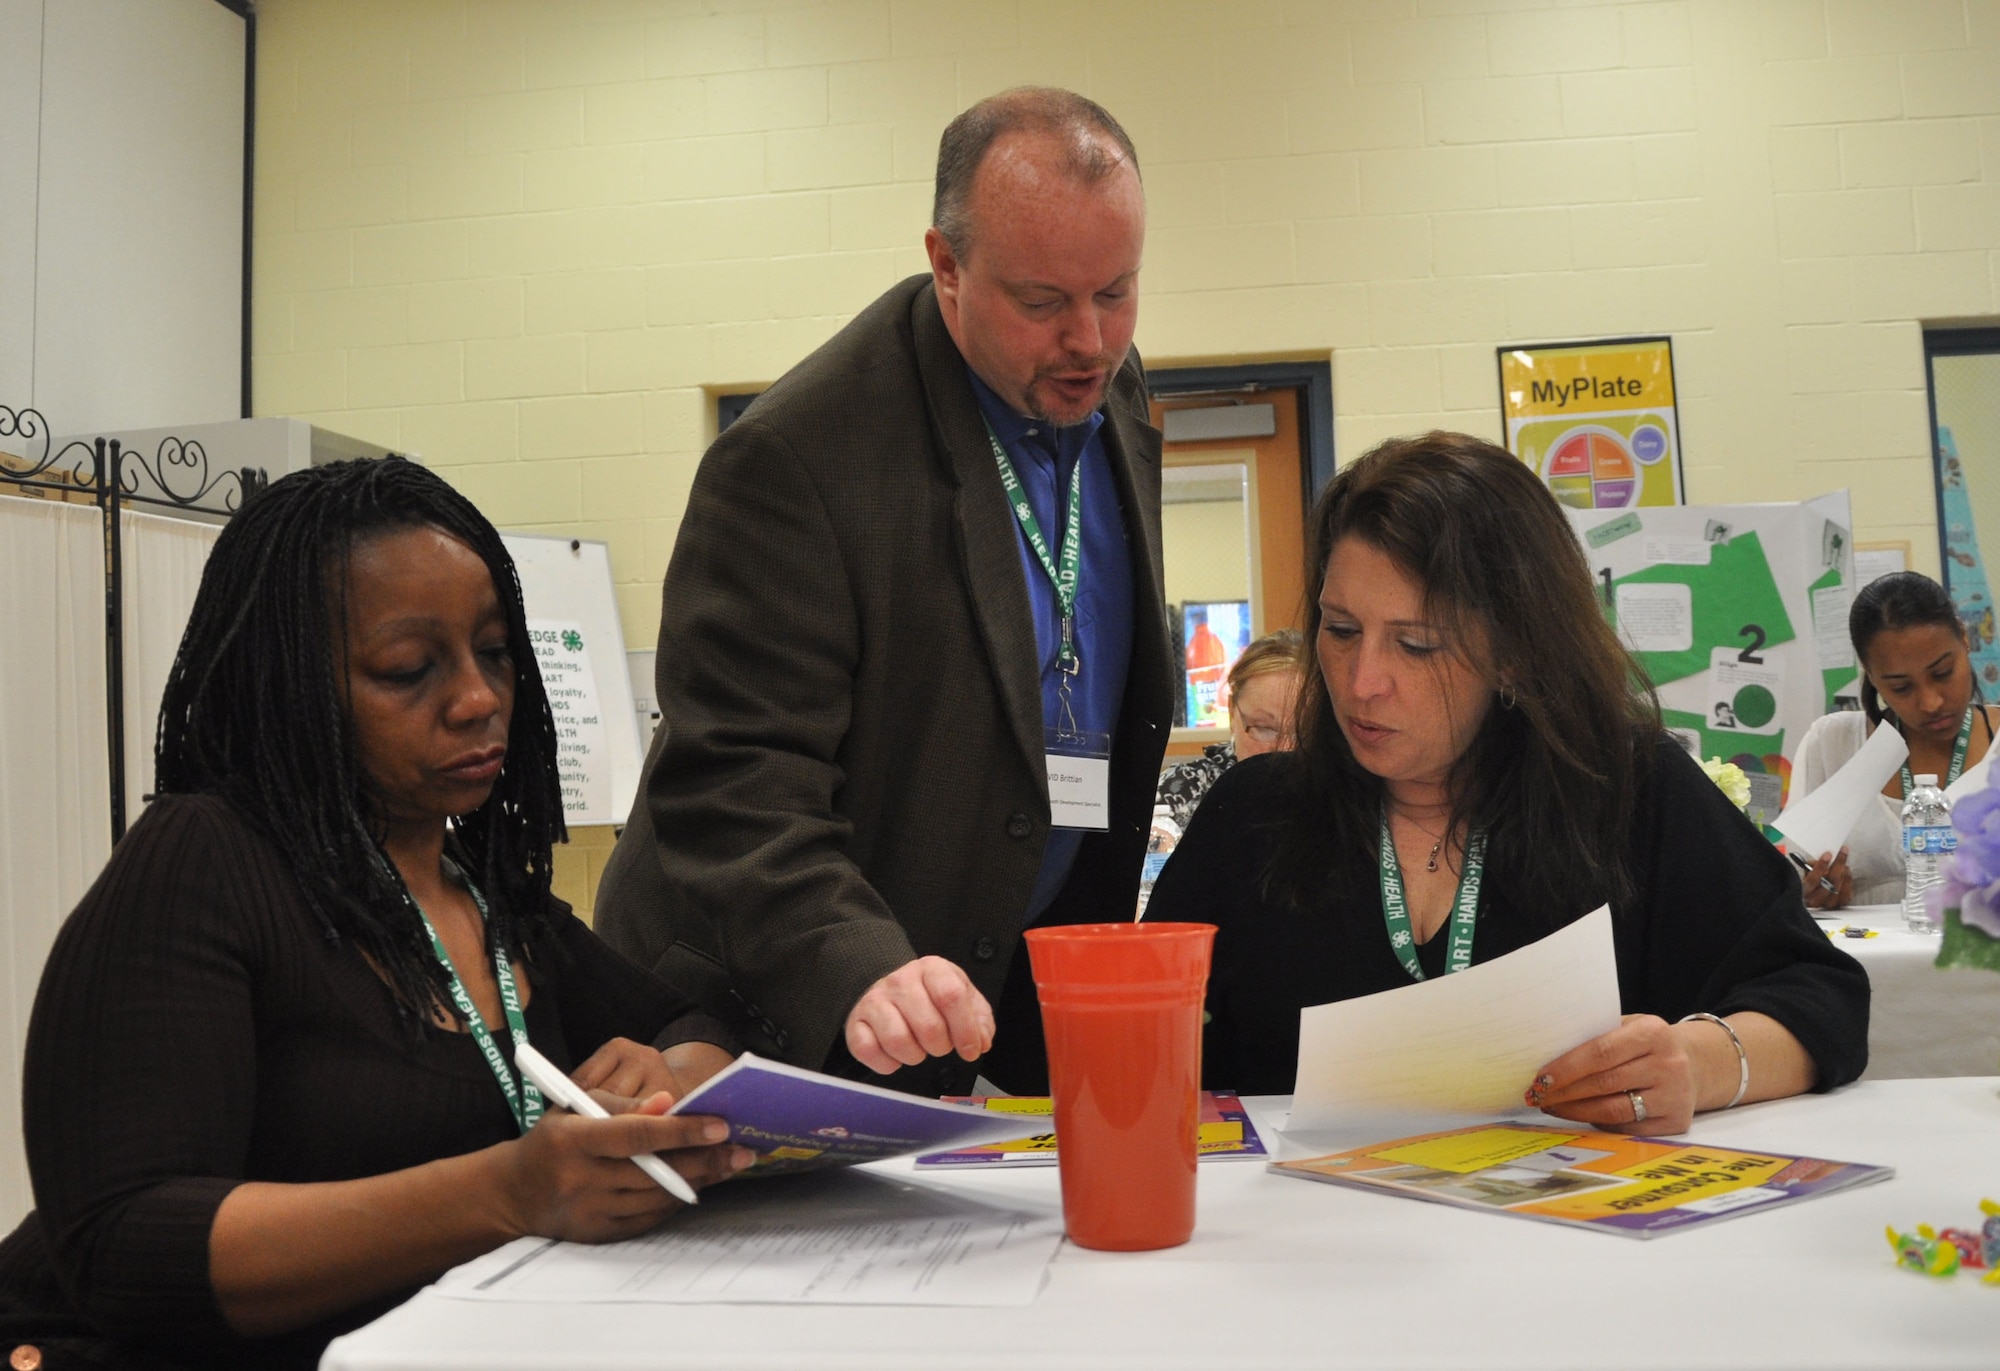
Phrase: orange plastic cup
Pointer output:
(1121, 1009)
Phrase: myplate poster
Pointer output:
(1596, 421)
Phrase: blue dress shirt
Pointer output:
(1047, 458)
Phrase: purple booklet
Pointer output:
(800, 1120)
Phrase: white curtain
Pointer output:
(163, 558)
(55, 786)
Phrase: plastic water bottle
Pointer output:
(1160, 841)
(1927, 836)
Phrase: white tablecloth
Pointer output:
(1284, 1273)
(1922, 1021)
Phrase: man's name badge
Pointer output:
(1079, 779)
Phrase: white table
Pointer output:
(1284, 1273)
(1923, 1021)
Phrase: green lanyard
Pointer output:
(523, 1101)
(1958, 750)
(1062, 574)
(1465, 906)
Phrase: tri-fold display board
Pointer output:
(1738, 614)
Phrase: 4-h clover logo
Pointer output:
(572, 640)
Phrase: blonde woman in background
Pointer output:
(1263, 689)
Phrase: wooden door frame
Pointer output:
(1313, 381)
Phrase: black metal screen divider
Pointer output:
(179, 471)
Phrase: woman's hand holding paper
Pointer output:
(572, 1178)
(1830, 870)
(1638, 1078)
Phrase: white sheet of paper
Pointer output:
(1875, 563)
(1464, 1045)
(1657, 617)
(839, 1238)
(1971, 779)
(1670, 551)
(1820, 822)
(1831, 643)
(1743, 696)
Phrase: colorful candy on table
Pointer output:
(1942, 1254)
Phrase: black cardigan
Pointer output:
(195, 1029)
(1718, 924)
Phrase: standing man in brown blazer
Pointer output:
(913, 672)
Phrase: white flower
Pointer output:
(1729, 779)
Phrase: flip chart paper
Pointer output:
(834, 1238)
(1820, 822)
(1459, 1045)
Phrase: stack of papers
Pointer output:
(844, 1238)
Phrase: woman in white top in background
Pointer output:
(1916, 676)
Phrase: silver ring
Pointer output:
(1638, 1106)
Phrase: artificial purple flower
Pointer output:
(1949, 893)
(1976, 820)
(1980, 909)
(1972, 874)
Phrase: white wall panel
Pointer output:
(138, 260)
(55, 782)
(163, 561)
(20, 158)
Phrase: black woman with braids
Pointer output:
(269, 1081)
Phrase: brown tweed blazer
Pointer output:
(849, 771)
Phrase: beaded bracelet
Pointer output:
(1742, 1057)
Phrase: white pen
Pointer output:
(576, 1100)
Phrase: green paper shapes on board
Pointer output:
(1735, 590)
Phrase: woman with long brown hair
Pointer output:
(1482, 764)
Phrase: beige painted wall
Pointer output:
(522, 238)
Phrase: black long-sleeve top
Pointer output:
(1718, 924)
(196, 1029)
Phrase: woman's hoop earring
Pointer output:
(1507, 696)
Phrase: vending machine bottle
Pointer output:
(1207, 667)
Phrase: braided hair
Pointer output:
(253, 712)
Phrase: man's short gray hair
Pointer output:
(1075, 119)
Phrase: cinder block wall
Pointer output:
(529, 239)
